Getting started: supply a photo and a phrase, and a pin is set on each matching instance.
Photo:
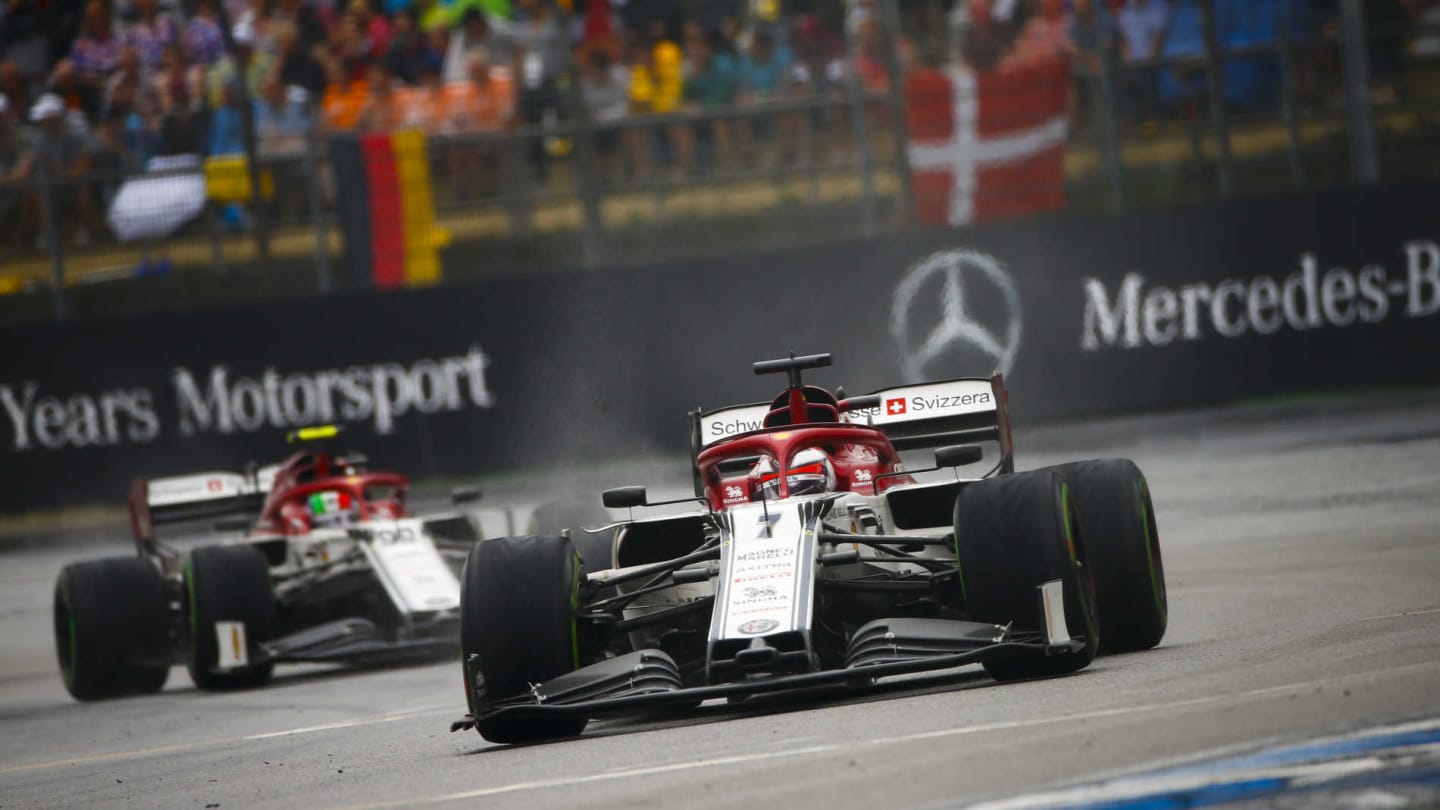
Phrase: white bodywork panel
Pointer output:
(1052, 599)
(234, 651)
(766, 589)
(197, 488)
(727, 422)
(918, 403)
(409, 567)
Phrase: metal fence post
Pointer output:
(59, 304)
(1289, 110)
(1355, 50)
(855, 94)
(515, 183)
(592, 232)
(895, 98)
(1110, 128)
(316, 201)
(1215, 88)
(807, 148)
(252, 149)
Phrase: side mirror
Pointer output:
(232, 523)
(465, 494)
(958, 455)
(623, 497)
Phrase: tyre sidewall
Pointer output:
(1117, 520)
(1013, 534)
(227, 583)
(519, 608)
(112, 628)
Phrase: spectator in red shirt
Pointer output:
(374, 28)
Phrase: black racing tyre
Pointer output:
(553, 517)
(112, 628)
(231, 584)
(1012, 534)
(1117, 521)
(518, 616)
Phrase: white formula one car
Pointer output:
(334, 569)
(817, 559)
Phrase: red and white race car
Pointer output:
(817, 558)
(333, 568)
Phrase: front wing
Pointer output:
(649, 679)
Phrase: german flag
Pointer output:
(387, 209)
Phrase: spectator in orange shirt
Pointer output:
(381, 113)
(486, 102)
(483, 103)
(344, 98)
(422, 107)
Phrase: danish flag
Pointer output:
(987, 146)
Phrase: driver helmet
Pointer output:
(764, 480)
(332, 508)
(810, 473)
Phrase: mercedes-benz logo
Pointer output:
(958, 328)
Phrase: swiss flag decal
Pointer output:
(895, 406)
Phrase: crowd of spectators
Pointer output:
(1141, 33)
(89, 85)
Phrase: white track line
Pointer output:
(289, 732)
(880, 741)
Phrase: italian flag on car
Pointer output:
(324, 502)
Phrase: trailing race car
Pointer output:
(817, 559)
(333, 569)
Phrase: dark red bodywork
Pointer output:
(305, 474)
(802, 418)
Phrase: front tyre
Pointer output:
(518, 618)
(1117, 521)
(111, 628)
(227, 584)
(1013, 534)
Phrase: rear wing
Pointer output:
(960, 411)
(195, 497)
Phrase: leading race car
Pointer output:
(817, 559)
(333, 569)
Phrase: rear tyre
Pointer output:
(1117, 521)
(112, 628)
(518, 607)
(227, 584)
(1013, 534)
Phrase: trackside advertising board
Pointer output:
(1188, 306)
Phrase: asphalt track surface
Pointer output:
(1302, 549)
